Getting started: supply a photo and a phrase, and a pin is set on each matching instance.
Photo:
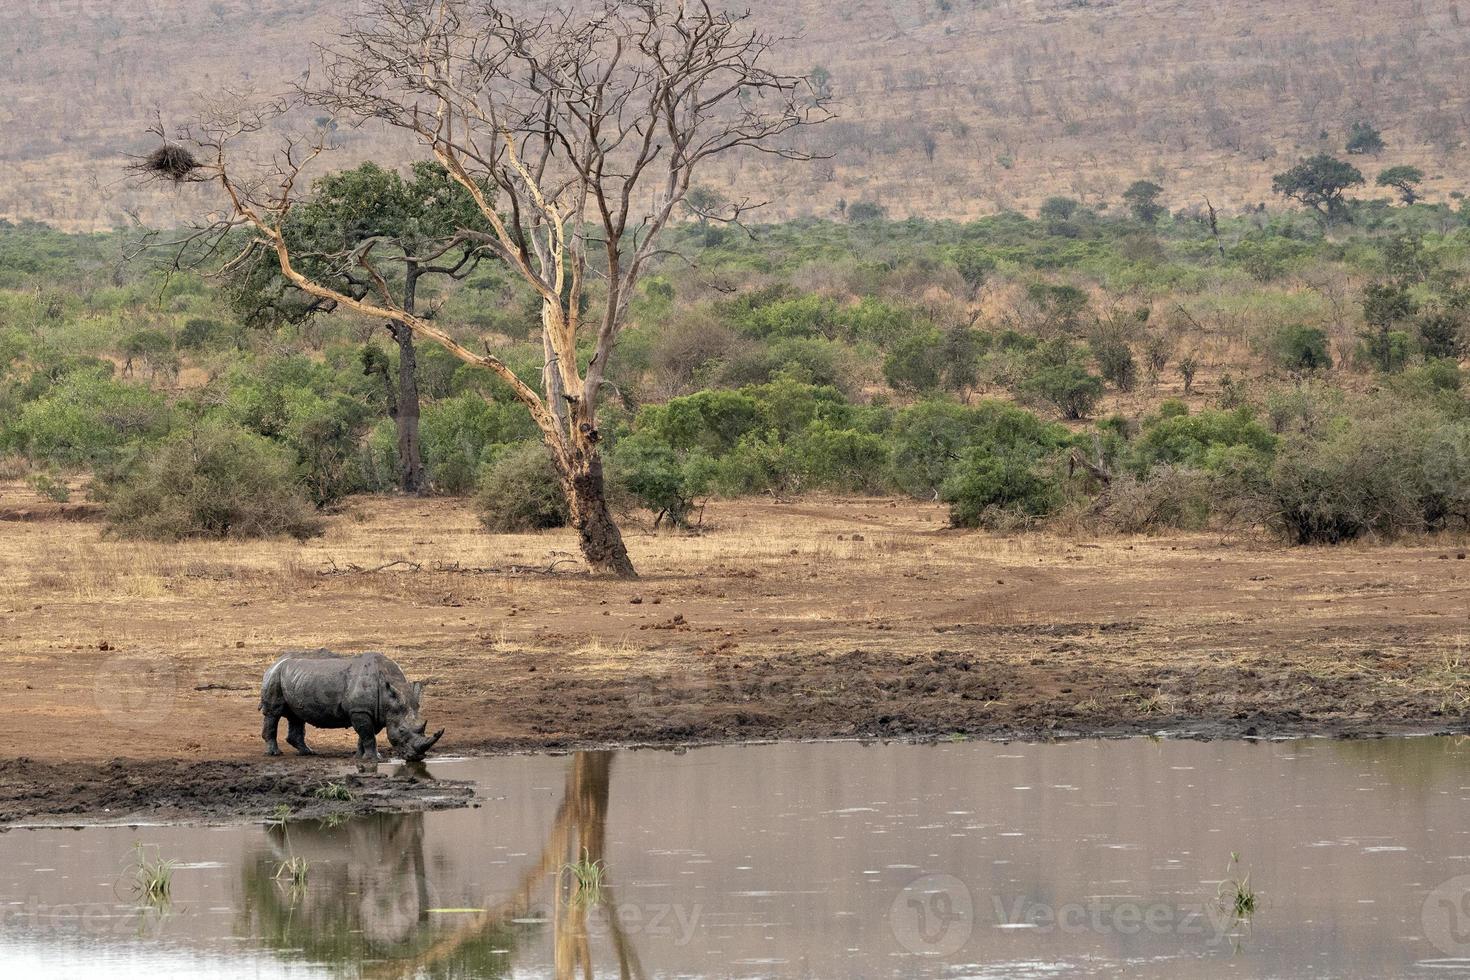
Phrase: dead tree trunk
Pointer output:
(598, 534)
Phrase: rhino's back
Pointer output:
(319, 686)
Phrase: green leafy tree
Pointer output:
(917, 364)
(1070, 387)
(1404, 179)
(1364, 138)
(414, 228)
(663, 479)
(1142, 198)
(1319, 183)
(996, 489)
(1385, 306)
(1301, 348)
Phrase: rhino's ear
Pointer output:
(393, 696)
(418, 690)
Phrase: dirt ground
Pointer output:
(130, 664)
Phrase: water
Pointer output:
(829, 860)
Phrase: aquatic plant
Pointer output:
(294, 869)
(587, 877)
(152, 878)
(1236, 895)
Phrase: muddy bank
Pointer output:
(125, 790)
(836, 618)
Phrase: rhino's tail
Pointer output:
(269, 685)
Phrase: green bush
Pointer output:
(1196, 441)
(459, 435)
(840, 459)
(1301, 348)
(713, 421)
(661, 478)
(989, 490)
(213, 480)
(917, 363)
(1399, 473)
(928, 440)
(1115, 361)
(88, 417)
(520, 491)
(1070, 387)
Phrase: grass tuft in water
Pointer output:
(279, 816)
(1236, 894)
(152, 877)
(294, 870)
(587, 879)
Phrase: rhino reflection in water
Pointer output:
(367, 895)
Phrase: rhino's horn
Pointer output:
(423, 746)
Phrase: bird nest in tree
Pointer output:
(169, 162)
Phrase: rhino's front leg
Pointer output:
(367, 737)
(268, 732)
(296, 735)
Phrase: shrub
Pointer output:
(460, 435)
(840, 459)
(1366, 477)
(1196, 441)
(87, 417)
(990, 490)
(521, 491)
(1070, 387)
(660, 478)
(1301, 348)
(713, 421)
(1115, 360)
(1168, 498)
(917, 363)
(929, 439)
(1441, 333)
(199, 333)
(214, 480)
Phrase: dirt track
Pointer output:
(817, 619)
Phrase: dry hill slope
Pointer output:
(951, 107)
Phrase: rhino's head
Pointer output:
(405, 726)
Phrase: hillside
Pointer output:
(950, 107)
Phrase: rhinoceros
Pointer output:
(366, 693)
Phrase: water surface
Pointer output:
(810, 860)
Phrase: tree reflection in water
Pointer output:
(367, 900)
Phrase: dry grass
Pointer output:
(1146, 629)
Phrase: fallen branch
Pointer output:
(353, 569)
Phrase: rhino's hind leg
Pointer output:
(268, 732)
(296, 735)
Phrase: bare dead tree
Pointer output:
(576, 134)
